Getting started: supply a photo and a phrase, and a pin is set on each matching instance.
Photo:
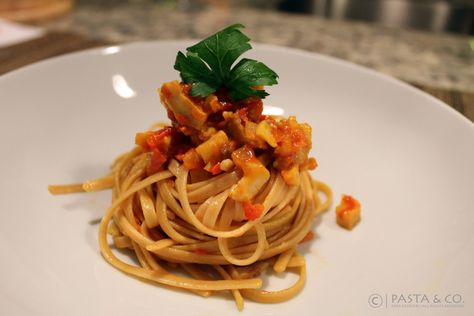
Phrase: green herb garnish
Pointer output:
(208, 66)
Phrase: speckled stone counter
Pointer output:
(437, 60)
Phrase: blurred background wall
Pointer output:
(456, 16)
(429, 15)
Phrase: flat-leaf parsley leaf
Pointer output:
(208, 66)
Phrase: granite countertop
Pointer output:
(438, 60)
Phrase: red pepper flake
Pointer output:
(309, 236)
(216, 169)
(200, 251)
(252, 211)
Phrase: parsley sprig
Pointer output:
(208, 66)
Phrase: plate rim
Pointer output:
(462, 119)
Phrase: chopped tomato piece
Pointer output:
(157, 160)
(157, 139)
(252, 211)
(348, 212)
(191, 160)
(153, 140)
(253, 108)
(294, 143)
(312, 163)
(243, 114)
(140, 139)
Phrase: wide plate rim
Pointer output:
(290, 50)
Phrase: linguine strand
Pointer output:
(167, 218)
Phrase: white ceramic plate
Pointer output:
(406, 156)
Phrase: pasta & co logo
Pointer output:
(415, 300)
